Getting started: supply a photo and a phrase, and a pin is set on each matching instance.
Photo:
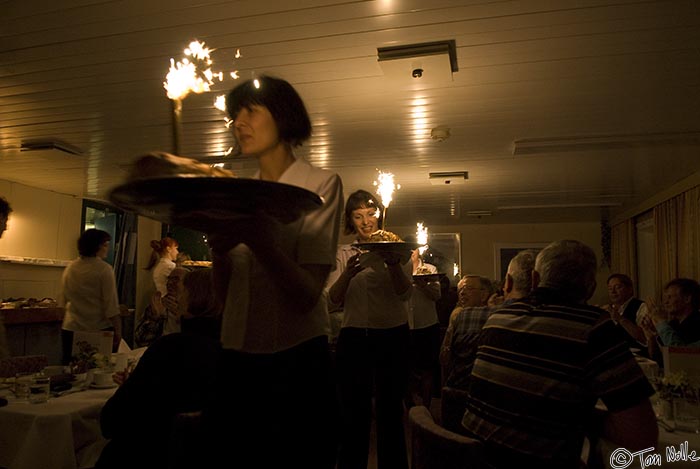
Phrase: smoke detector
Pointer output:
(440, 133)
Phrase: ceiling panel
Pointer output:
(90, 72)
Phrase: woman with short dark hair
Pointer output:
(373, 345)
(275, 382)
(89, 292)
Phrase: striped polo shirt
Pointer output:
(540, 367)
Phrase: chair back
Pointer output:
(185, 441)
(453, 403)
(434, 447)
(10, 366)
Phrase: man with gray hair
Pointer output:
(542, 364)
(458, 349)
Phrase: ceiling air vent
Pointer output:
(448, 178)
(50, 144)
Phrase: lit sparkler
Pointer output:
(192, 74)
(422, 237)
(385, 188)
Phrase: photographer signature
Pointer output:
(622, 458)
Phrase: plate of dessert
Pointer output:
(386, 241)
(185, 192)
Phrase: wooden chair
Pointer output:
(453, 403)
(434, 447)
(22, 364)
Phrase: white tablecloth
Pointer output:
(63, 433)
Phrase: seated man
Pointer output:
(680, 325)
(175, 375)
(626, 311)
(459, 345)
(542, 364)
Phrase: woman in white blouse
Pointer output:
(162, 263)
(373, 344)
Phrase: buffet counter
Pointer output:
(34, 331)
(18, 316)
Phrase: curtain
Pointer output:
(689, 235)
(623, 253)
(676, 224)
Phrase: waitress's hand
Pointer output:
(353, 267)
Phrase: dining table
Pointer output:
(61, 433)
(677, 448)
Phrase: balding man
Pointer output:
(458, 349)
(544, 362)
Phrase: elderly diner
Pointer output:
(557, 364)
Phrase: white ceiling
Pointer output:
(621, 77)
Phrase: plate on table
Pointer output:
(103, 386)
(203, 203)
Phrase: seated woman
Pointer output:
(175, 375)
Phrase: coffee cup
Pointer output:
(102, 378)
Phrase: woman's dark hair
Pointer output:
(361, 199)
(283, 102)
(90, 241)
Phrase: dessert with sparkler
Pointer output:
(383, 235)
(423, 270)
(161, 164)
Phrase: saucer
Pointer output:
(103, 386)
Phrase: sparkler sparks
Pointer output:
(191, 76)
(385, 188)
(422, 237)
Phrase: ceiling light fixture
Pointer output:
(530, 146)
(563, 205)
(50, 144)
(479, 213)
(419, 64)
(448, 178)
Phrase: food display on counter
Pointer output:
(16, 303)
(196, 263)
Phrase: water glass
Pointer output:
(39, 389)
(22, 382)
(687, 415)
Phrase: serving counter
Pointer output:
(34, 331)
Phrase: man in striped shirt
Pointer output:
(458, 349)
(543, 363)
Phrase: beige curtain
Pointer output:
(623, 258)
(676, 226)
(689, 236)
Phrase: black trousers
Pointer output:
(274, 410)
(367, 360)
